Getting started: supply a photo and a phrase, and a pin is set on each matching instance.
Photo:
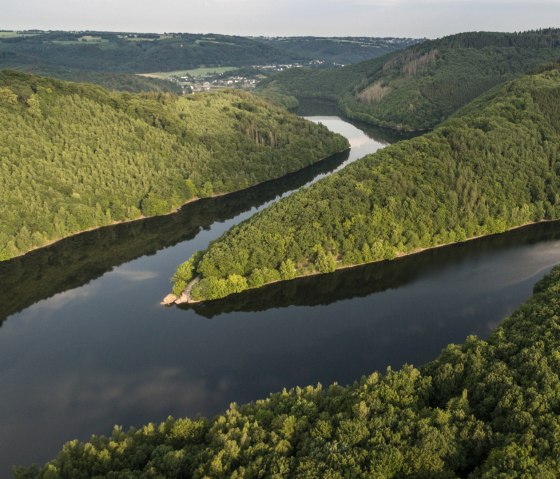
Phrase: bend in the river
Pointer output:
(87, 346)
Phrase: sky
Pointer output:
(403, 18)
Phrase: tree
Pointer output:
(288, 269)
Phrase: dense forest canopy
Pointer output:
(417, 88)
(483, 409)
(128, 82)
(76, 156)
(148, 52)
(493, 166)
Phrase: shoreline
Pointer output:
(352, 266)
(349, 116)
(174, 211)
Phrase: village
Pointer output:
(245, 78)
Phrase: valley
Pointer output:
(360, 235)
(146, 360)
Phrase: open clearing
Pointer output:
(194, 72)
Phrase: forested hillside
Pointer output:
(343, 50)
(76, 156)
(151, 52)
(492, 167)
(417, 88)
(139, 52)
(128, 82)
(483, 409)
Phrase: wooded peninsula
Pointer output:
(492, 167)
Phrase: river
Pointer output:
(84, 343)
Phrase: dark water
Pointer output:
(86, 345)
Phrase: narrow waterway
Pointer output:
(85, 344)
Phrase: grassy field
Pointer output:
(195, 72)
(216, 42)
(85, 39)
(140, 39)
(90, 38)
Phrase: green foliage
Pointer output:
(324, 261)
(153, 205)
(492, 167)
(113, 81)
(219, 287)
(419, 87)
(287, 101)
(343, 50)
(259, 276)
(185, 273)
(94, 52)
(206, 190)
(190, 189)
(179, 286)
(483, 409)
(288, 269)
(8, 96)
(76, 156)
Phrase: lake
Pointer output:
(84, 343)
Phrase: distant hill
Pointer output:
(145, 52)
(342, 50)
(493, 166)
(419, 87)
(77, 156)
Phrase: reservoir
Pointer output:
(85, 345)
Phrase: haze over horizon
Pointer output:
(399, 18)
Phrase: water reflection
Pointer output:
(79, 259)
(88, 346)
(377, 277)
(310, 107)
(101, 351)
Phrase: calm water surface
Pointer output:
(85, 344)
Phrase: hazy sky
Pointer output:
(413, 18)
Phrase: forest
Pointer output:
(340, 50)
(482, 409)
(492, 167)
(118, 81)
(77, 156)
(419, 87)
(148, 52)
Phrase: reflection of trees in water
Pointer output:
(319, 107)
(373, 278)
(76, 260)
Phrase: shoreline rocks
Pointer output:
(169, 300)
